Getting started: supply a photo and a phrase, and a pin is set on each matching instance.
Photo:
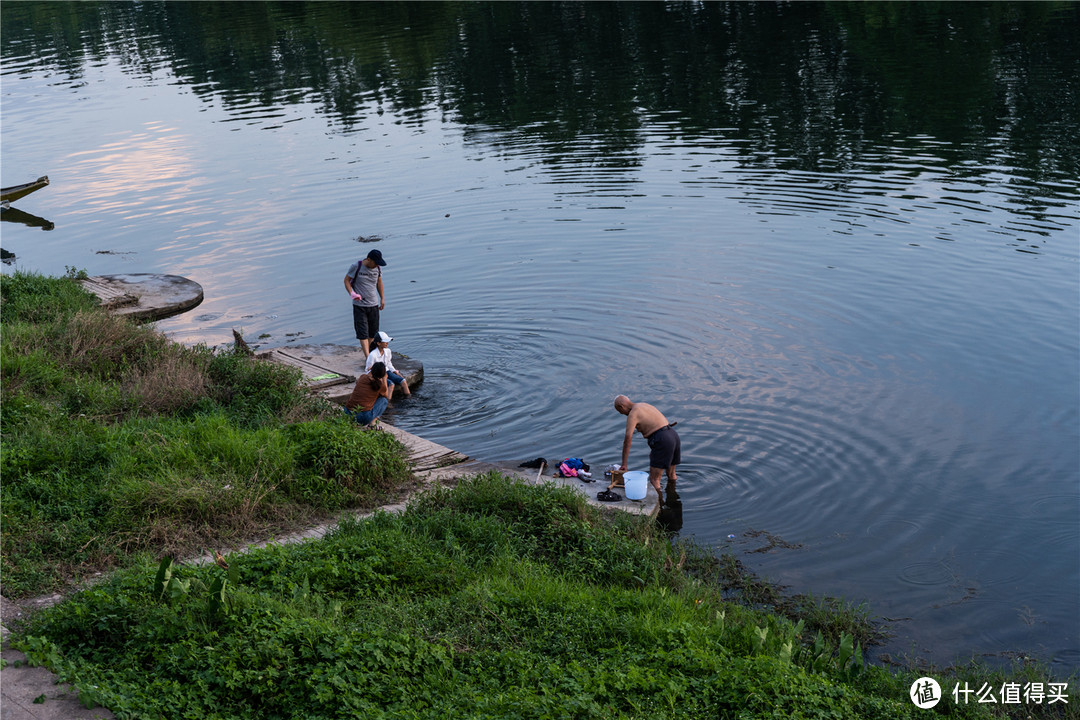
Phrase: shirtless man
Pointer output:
(664, 443)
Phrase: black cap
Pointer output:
(376, 257)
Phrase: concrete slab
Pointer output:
(331, 370)
(589, 490)
(32, 693)
(145, 296)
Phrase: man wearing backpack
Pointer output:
(364, 283)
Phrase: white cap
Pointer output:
(382, 337)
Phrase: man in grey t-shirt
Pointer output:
(364, 282)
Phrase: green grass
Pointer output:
(116, 442)
(30, 298)
(495, 599)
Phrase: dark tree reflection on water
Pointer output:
(811, 86)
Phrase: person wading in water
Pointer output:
(664, 443)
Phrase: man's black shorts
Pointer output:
(665, 448)
(366, 321)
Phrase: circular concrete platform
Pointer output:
(145, 296)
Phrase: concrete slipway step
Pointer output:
(331, 370)
(145, 296)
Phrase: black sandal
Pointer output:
(608, 496)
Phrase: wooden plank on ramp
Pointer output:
(423, 454)
(110, 295)
(316, 375)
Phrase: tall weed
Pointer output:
(174, 384)
(114, 439)
(103, 345)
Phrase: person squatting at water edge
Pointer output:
(364, 283)
(664, 443)
(370, 396)
(382, 354)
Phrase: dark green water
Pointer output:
(837, 242)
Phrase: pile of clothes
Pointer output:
(574, 467)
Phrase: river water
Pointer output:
(838, 243)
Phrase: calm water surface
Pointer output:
(838, 244)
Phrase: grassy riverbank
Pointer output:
(494, 599)
(118, 442)
(491, 599)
